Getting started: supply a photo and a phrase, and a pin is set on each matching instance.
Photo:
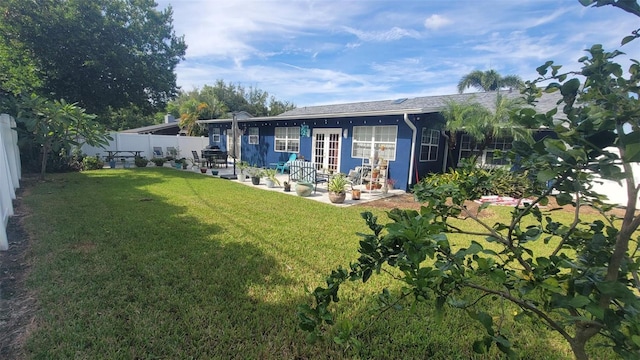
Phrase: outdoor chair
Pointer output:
(284, 165)
(305, 171)
(171, 151)
(196, 159)
(157, 152)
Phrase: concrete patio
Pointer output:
(321, 193)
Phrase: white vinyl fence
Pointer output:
(146, 143)
(10, 173)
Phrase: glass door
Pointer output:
(326, 149)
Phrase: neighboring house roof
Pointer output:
(418, 105)
(163, 129)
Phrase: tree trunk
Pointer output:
(43, 164)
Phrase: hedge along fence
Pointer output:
(10, 173)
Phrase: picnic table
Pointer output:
(122, 154)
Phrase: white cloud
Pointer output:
(436, 21)
(392, 34)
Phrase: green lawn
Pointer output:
(158, 263)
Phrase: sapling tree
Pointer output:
(586, 281)
(57, 125)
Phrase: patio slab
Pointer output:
(321, 194)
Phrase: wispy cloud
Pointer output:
(395, 33)
(313, 52)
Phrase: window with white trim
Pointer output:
(254, 138)
(469, 147)
(368, 139)
(215, 135)
(287, 139)
(429, 142)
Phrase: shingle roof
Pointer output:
(418, 105)
(425, 104)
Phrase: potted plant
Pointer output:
(390, 183)
(336, 188)
(178, 163)
(158, 161)
(243, 166)
(270, 175)
(140, 161)
(304, 188)
(287, 186)
(255, 174)
(355, 194)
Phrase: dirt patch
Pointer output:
(407, 201)
(17, 304)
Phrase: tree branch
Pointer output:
(527, 306)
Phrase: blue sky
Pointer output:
(334, 51)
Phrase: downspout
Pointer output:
(413, 146)
(446, 151)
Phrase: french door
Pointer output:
(326, 149)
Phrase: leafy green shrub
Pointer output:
(158, 161)
(92, 163)
(141, 161)
(498, 181)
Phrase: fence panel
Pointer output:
(146, 143)
(10, 173)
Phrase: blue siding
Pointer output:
(264, 153)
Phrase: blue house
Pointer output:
(407, 133)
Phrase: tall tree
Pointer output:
(583, 281)
(99, 53)
(223, 98)
(484, 125)
(489, 80)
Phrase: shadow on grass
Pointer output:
(121, 271)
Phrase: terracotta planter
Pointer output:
(337, 198)
(355, 194)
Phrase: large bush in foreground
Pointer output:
(585, 284)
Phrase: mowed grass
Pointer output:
(158, 263)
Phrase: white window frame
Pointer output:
(468, 147)
(427, 146)
(215, 135)
(254, 136)
(368, 139)
(287, 139)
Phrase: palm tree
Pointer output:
(482, 125)
(489, 80)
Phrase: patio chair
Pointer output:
(196, 159)
(157, 152)
(305, 171)
(284, 165)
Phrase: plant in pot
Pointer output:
(270, 175)
(243, 166)
(390, 183)
(140, 161)
(304, 188)
(178, 163)
(287, 186)
(255, 174)
(158, 161)
(336, 188)
(355, 194)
